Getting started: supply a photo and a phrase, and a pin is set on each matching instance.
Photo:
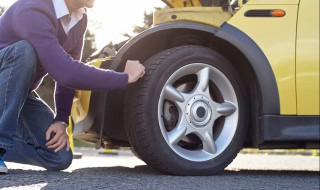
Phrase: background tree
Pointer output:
(110, 49)
(147, 23)
(1, 10)
(89, 46)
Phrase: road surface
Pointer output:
(124, 171)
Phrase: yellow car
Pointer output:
(219, 77)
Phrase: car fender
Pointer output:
(259, 63)
(255, 56)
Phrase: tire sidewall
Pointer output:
(165, 68)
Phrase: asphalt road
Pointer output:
(124, 171)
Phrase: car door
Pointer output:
(307, 58)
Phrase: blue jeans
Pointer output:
(25, 118)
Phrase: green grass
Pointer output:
(306, 152)
(80, 143)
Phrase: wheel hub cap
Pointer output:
(198, 111)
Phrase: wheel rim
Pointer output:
(198, 112)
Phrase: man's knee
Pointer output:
(26, 51)
(25, 47)
(64, 161)
(22, 56)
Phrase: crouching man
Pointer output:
(39, 37)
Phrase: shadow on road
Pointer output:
(144, 177)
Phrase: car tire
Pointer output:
(188, 114)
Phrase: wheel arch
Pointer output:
(231, 42)
(162, 37)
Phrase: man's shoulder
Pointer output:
(33, 10)
(42, 6)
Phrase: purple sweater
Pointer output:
(36, 21)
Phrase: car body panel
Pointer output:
(308, 58)
(185, 3)
(213, 16)
(276, 37)
(264, 74)
(81, 104)
(273, 2)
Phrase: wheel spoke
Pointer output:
(203, 79)
(226, 108)
(173, 94)
(209, 144)
(176, 134)
(188, 109)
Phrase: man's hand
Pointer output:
(135, 70)
(60, 138)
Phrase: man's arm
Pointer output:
(63, 103)
(61, 66)
(63, 95)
